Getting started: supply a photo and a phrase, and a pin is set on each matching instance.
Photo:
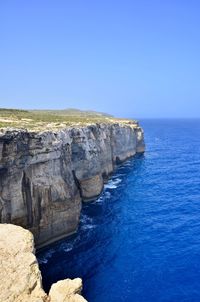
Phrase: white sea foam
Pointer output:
(86, 222)
(66, 246)
(88, 227)
(128, 164)
(110, 186)
(117, 175)
(112, 183)
(117, 181)
(85, 219)
(45, 258)
(107, 195)
(100, 199)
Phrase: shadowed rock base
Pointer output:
(20, 275)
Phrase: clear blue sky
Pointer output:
(130, 58)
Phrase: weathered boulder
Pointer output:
(45, 175)
(20, 276)
(67, 291)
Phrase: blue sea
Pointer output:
(140, 241)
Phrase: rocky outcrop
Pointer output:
(20, 276)
(67, 291)
(45, 175)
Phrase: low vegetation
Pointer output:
(50, 119)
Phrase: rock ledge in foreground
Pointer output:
(20, 275)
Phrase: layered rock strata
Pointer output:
(20, 276)
(45, 175)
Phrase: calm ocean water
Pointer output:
(140, 241)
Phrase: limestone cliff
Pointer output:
(20, 276)
(45, 175)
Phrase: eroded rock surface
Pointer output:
(67, 291)
(20, 276)
(44, 176)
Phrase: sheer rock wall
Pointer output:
(44, 176)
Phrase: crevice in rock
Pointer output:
(37, 211)
(26, 193)
(77, 183)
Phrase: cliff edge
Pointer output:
(45, 175)
(20, 276)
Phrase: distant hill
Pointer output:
(72, 111)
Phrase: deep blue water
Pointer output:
(140, 241)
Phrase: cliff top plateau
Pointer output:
(47, 171)
(43, 120)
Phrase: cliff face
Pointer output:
(44, 176)
(20, 276)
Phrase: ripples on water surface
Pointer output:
(140, 241)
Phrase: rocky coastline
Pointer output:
(45, 176)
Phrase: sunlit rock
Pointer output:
(44, 176)
(20, 275)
